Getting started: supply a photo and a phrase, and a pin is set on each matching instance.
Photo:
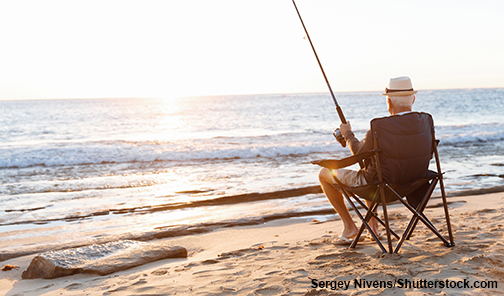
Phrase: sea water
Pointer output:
(88, 170)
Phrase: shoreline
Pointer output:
(190, 230)
(224, 200)
(282, 256)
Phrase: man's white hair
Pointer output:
(402, 101)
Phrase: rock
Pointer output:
(99, 259)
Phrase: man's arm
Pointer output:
(353, 143)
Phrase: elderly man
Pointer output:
(400, 98)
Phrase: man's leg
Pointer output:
(336, 199)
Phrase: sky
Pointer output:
(173, 48)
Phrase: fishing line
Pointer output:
(337, 132)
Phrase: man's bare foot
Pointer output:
(350, 232)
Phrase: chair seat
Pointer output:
(413, 191)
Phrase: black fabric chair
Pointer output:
(403, 147)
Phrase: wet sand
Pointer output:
(290, 256)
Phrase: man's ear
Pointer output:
(414, 97)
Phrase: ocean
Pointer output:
(75, 172)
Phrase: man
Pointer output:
(400, 98)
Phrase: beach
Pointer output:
(175, 147)
(295, 257)
(230, 179)
(100, 170)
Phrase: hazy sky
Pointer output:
(98, 49)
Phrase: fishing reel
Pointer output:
(339, 137)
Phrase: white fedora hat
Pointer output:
(399, 86)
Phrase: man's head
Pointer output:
(400, 95)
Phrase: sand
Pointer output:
(295, 257)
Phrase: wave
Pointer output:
(472, 138)
(470, 134)
(217, 148)
(120, 152)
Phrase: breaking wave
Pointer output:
(300, 144)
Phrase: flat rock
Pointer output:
(99, 259)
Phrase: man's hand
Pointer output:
(344, 127)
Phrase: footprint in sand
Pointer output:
(301, 271)
(272, 290)
(483, 211)
(209, 261)
(298, 276)
(273, 272)
(73, 286)
(340, 255)
(295, 248)
(116, 290)
(461, 249)
(140, 282)
(241, 252)
(144, 289)
(46, 287)
(340, 259)
(203, 273)
(161, 271)
(274, 248)
(192, 264)
(484, 262)
(472, 232)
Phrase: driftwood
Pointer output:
(99, 259)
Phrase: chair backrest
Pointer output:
(406, 143)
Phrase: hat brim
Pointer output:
(400, 93)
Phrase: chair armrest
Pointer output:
(344, 162)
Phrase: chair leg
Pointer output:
(364, 223)
(447, 215)
(443, 196)
(385, 217)
(421, 207)
(356, 239)
(370, 214)
(363, 205)
(411, 227)
(416, 217)
(409, 230)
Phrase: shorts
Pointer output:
(349, 178)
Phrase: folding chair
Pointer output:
(403, 147)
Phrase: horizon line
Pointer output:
(243, 94)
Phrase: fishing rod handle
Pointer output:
(340, 113)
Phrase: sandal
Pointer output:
(343, 240)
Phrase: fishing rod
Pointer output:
(337, 132)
